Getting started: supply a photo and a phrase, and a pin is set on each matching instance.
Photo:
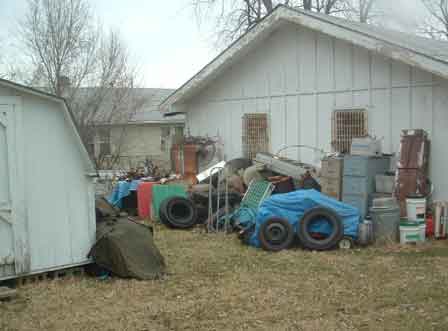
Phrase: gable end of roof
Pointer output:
(423, 53)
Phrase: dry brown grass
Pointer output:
(215, 283)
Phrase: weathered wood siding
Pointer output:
(299, 77)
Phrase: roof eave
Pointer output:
(225, 58)
(284, 14)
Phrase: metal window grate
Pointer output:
(255, 134)
(346, 125)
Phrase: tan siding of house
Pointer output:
(140, 142)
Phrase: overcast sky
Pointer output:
(163, 36)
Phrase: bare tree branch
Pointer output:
(363, 11)
(436, 25)
(71, 56)
(234, 17)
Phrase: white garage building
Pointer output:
(47, 212)
(312, 77)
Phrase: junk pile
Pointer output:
(132, 191)
(362, 197)
(394, 199)
(317, 221)
(124, 248)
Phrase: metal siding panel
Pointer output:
(249, 75)
(361, 68)
(361, 99)
(292, 128)
(274, 58)
(401, 115)
(277, 124)
(439, 156)
(325, 60)
(379, 120)
(422, 108)
(401, 74)
(307, 58)
(289, 59)
(234, 122)
(4, 168)
(325, 103)
(18, 219)
(380, 71)
(421, 77)
(7, 255)
(343, 65)
(308, 127)
(343, 100)
(61, 221)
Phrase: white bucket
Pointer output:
(410, 232)
(422, 227)
(416, 209)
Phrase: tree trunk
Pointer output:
(307, 4)
(268, 5)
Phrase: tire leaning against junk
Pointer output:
(188, 216)
(163, 214)
(276, 234)
(320, 244)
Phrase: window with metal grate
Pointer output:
(346, 125)
(255, 134)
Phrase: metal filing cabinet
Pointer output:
(359, 179)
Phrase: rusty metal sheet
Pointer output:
(414, 150)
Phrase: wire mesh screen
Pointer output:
(347, 124)
(255, 134)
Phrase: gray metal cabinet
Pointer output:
(359, 179)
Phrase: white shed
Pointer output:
(47, 213)
(299, 69)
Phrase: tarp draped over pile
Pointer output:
(292, 206)
(127, 249)
(122, 190)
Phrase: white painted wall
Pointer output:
(299, 76)
(58, 205)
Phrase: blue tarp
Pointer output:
(122, 190)
(293, 205)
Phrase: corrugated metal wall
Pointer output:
(299, 77)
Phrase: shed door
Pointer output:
(6, 228)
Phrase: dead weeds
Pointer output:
(215, 283)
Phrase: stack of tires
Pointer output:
(277, 233)
(178, 213)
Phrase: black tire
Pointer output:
(180, 213)
(276, 234)
(163, 214)
(320, 244)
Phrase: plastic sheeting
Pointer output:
(292, 206)
(122, 190)
(127, 249)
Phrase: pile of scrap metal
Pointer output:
(282, 205)
(123, 247)
(235, 189)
